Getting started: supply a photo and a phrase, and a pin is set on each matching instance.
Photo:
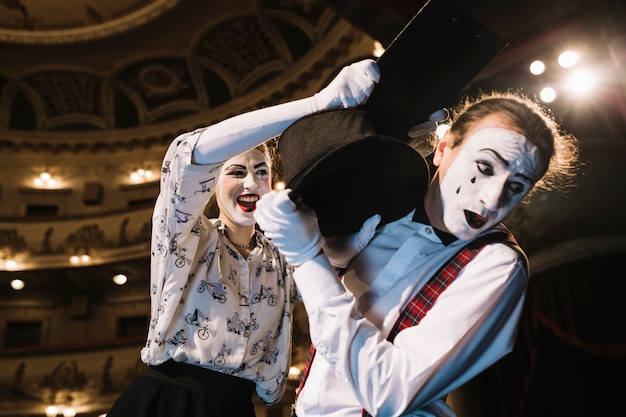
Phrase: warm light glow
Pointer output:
(294, 372)
(581, 82)
(378, 49)
(537, 67)
(568, 59)
(52, 411)
(547, 94)
(280, 185)
(141, 175)
(10, 264)
(45, 180)
(80, 259)
(69, 412)
(17, 284)
(120, 279)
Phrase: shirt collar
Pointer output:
(420, 215)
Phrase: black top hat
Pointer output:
(336, 164)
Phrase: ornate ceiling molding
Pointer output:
(70, 21)
(297, 81)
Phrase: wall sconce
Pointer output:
(141, 175)
(10, 264)
(12, 251)
(45, 180)
(69, 412)
(83, 259)
(53, 411)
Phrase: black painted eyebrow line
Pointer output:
(244, 167)
(236, 166)
(505, 162)
(496, 154)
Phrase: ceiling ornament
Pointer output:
(70, 21)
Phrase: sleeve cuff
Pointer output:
(317, 281)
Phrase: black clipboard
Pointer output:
(426, 67)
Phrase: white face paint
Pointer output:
(242, 181)
(489, 176)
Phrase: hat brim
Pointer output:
(373, 175)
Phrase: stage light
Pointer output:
(17, 284)
(581, 82)
(547, 94)
(568, 59)
(537, 67)
(120, 279)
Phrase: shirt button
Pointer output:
(429, 230)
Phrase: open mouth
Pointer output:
(474, 220)
(247, 202)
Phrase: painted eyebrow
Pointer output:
(506, 163)
(236, 166)
(260, 164)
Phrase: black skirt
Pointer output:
(182, 390)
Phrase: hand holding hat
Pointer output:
(294, 232)
(351, 87)
(340, 250)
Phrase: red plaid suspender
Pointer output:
(417, 308)
(305, 371)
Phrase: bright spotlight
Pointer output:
(568, 59)
(547, 94)
(120, 279)
(537, 67)
(17, 284)
(581, 82)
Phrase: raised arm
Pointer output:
(351, 87)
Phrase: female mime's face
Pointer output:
(485, 177)
(242, 181)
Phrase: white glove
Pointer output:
(295, 232)
(340, 250)
(351, 87)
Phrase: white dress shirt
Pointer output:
(472, 324)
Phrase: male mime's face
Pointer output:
(484, 178)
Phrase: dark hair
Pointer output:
(559, 151)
